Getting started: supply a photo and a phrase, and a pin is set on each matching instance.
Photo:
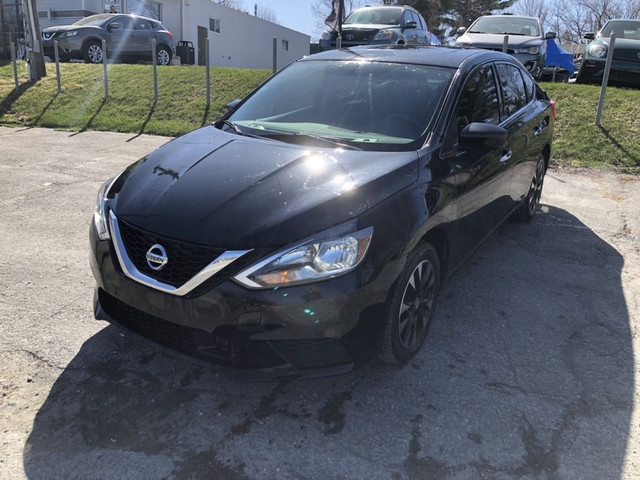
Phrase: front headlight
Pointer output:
(598, 50)
(100, 213)
(530, 50)
(322, 257)
(383, 35)
(73, 33)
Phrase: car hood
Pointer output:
(489, 40)
(64, 28)
(217, 188)
(622, 43)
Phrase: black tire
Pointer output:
(163, 55)
(530, 205)
(92, 52)
(411, 305)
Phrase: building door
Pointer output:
(202, 42)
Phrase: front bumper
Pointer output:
(67, 48)
(322, 328)
(622, 72)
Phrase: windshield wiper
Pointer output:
(237, 130)
(328, 140)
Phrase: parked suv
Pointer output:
(127, 37)
(379, 25)
(526, 39)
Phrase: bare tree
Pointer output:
(236, 4)
(322, 8)
(533, 8)
(265, 13)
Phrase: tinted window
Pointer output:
(121, 23)
(530, 86)
(423, 23)
(143, 25)
(514, 93)
(479, 99)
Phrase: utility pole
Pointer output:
(37, 69)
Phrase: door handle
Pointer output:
(506, 156)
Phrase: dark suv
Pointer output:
(379, 25)
(127, 37)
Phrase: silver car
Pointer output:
(526, 40)
(128, 37)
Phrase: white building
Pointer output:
(236, 39)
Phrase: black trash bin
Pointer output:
(186, 52)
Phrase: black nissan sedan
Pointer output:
(314, 223)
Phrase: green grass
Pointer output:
(579, 142)
(181, 107)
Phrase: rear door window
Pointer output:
(512, 86)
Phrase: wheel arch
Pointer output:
(546, 151)
(90, 39)
(438, 238)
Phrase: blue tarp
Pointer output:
(557, 57)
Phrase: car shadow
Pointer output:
(528, 372)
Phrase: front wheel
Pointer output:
(163, 56)
(93, 52)
(530, 205)
(411, 306)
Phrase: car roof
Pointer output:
(366, 7)
(448, 57)
(131, 15)
(510, 16)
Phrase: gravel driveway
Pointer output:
(529, 370)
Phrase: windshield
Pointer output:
(94, 20)
(367, 105)
(622, 28)
(507, 26)
(380, 16)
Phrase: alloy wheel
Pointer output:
(416, 305)
(94, 52)
(536, 186)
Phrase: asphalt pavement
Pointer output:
(529, 370)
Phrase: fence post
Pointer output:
(206, 50)
(275, 55)
(154, 46)
(57, 58)
(15, 65)
(104, 70)
(605, 78)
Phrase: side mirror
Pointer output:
(113, 26)
(590, 36)
(410, 24)
(232, 104)
(550, 35)
(482, 135)
(461, 31)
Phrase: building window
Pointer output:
(214, 25)
(285, 45)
